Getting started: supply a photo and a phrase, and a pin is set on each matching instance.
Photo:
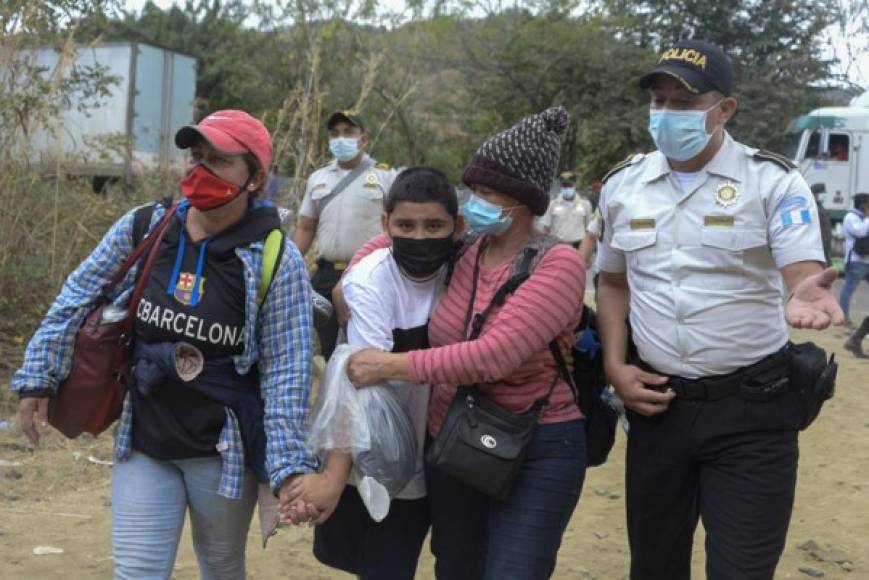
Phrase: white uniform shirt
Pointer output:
(595, 225)
(353, 216)
(567, 219)
(855, 226)
(383, 300)
(703, 264)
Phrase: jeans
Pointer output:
(475, 537)
(149, 501)
(855, 272)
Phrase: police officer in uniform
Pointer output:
(341, 208)
(568, 214)
(698, 236)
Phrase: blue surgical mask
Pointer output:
(568, 193)
(344, 148)
(485, 217)
(680, 135)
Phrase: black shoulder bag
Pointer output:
(482, 444)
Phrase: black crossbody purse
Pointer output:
(481, 444)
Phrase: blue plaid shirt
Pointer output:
(277, 338)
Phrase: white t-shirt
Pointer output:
(387, 306)
(856, 226)
(686, 179)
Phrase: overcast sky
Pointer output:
(858, 71)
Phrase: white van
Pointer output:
(831, 148)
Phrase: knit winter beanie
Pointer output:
(521, 161)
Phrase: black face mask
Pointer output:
(422, 258)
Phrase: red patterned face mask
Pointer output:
(207, 191)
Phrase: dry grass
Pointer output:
(47, 227)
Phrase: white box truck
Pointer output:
(831, 147)
(133, 127)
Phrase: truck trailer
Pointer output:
(831, 147)
(131, 130)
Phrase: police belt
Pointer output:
(762, 380)
(337, 266)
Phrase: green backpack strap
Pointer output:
(273, 249)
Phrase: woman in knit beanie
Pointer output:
(473, 535)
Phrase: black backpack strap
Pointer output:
(509, 287)
(143, 216)
(468, 239)
(523, 266)
(564, 370)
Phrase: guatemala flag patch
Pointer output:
(796, 217)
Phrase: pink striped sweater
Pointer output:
(510, 361)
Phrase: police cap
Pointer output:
(700, 66)
(345, 117)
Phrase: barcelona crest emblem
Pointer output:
(184, 288)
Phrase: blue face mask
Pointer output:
(485, 217)
(568, 193)
(344, 148)
(680, 135)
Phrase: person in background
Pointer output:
(568, 214)
(272, 186)
(838, 152)
(341, 209)
(594, 193)
(856, 226)
(588, 247)
(824, 221)
(178, 449)
(854, 342)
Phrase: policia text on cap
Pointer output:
(698, 236)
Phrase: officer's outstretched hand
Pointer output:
(630, 383)
(812, 303)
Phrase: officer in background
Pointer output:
(568, 214)
(342, 206)
(698, 236)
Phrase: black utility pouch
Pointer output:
(767, 379)
(813, 376)
(764, 388)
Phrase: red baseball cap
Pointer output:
(231, 132)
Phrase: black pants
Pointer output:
(323, 282)
(389, 550)
(732, 462)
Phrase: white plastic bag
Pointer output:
(372, 426)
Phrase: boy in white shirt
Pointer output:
(391, 294)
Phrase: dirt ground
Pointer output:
(56, 497)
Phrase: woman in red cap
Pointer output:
(199, 444)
